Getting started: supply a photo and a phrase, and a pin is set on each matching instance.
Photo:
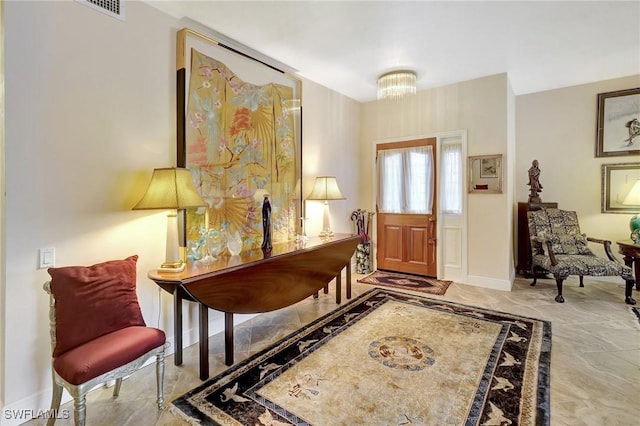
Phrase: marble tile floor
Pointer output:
(595, 356)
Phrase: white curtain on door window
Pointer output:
(405, 180)
(451, 178)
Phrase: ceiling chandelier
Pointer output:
(396, 84)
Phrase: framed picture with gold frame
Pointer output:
(485, 174)
(239, 132)
(618, 180)
(618, 128)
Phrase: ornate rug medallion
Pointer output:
(388, 358)
(401, 352)
(407, 282)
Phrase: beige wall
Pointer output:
(331, 130)
(558, 128)
(90, 107)
(481, 108)
(88, 116)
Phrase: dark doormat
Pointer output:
(407, 282)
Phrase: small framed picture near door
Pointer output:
(618, 129)
(485, 174)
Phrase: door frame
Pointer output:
(461, 251)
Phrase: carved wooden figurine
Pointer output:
(534, 183)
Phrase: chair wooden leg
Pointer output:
(581, 281)
(80, 409)
(627, 293)
(116, 388)
(559, 297)
(55, 403)
(535, 277)
(160, 380)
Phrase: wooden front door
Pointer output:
(407, 241)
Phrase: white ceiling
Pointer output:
(346, 45)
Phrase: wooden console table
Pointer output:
(255, 282)
(631, 252)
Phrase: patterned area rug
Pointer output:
(407, 282)
(388, 358)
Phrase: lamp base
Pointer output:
(172, 267)
(634, 226)
(326, 233)
(326, 222)
(173, 261)
(172, 254)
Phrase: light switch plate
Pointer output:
(47, 257)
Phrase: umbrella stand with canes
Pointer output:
(363, 250)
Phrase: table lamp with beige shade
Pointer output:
(324, 189)
(171, 189)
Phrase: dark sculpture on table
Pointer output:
(266, 224)
(534, 183)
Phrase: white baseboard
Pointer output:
(491, 283)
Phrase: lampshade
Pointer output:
(326, 188)
(633, 197)
(396, 84)
(170, 188)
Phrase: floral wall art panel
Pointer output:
(241, 141)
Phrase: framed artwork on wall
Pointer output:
(618, 123)
(485, 174)
(489, 167)
(239, 132)
(617, 183)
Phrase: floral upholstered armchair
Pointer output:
(558, 247)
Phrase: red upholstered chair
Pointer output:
(97, 331)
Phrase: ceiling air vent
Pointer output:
(114, 8)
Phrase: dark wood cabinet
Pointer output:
(523, 266)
